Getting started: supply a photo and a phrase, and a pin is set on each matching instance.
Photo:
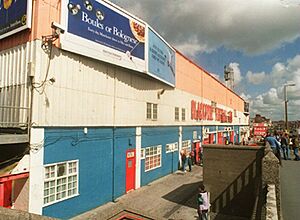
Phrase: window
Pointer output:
(154, 112)
(61, 181)
(176, 114)
(234, 113)
(153, 157)
(171, 147)
(151, 111)
(186, 145)
(143, 153)
(183, 114)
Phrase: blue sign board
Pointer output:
(161, 59)
(15, 15)
(94, 21)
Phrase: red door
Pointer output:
(130, 170)
(211, 138)
(5, 194)
(232, 137)
(197, 146)
(220, 138)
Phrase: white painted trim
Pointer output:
(66, 176)
(36, 177)
(138, 145)
(159, 151)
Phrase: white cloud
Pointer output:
(190, 48)
(237, 72)
(267, 106)
(285, 72)
(294, 64)
(271, 97)
(271, 103)
(256, 78)
(247, 97)
(207, 25)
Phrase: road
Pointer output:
(290, 189)
(171, 197)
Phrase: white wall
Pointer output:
(15, 66)
(88, 92)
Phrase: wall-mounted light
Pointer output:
(48, 40)
(160, 92)
(88, 5)
(52, 80)
(74, 8)
(85, 130)
(99, 15)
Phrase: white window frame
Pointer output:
(151, 149)
(153, 114)
(171, 147)
(55, 179)
(143, 153)
(183, 115)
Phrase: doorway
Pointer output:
(130, 170)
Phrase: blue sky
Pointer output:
(213, 62)
(259, 39)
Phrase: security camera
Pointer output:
(59, 29)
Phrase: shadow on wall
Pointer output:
(234, 183)
(137, 80)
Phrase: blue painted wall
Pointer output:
(94, 152)
(221, 127)
(159, 136)
(187, 132)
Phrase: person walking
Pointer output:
(202, 203)
(295, 146)
(183, 159)
(193, 155)
(285, 146)
(189, 161)
(275, 146)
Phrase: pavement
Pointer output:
(290, 189)
(172, 197)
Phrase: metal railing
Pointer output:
(14, 117)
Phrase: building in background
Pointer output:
(102, 103)
(259, 131)
(260, 126)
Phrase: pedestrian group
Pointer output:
(282, 145)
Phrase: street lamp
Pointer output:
(286, 101)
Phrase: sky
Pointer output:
(258, 39)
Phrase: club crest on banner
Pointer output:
(7, 4)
